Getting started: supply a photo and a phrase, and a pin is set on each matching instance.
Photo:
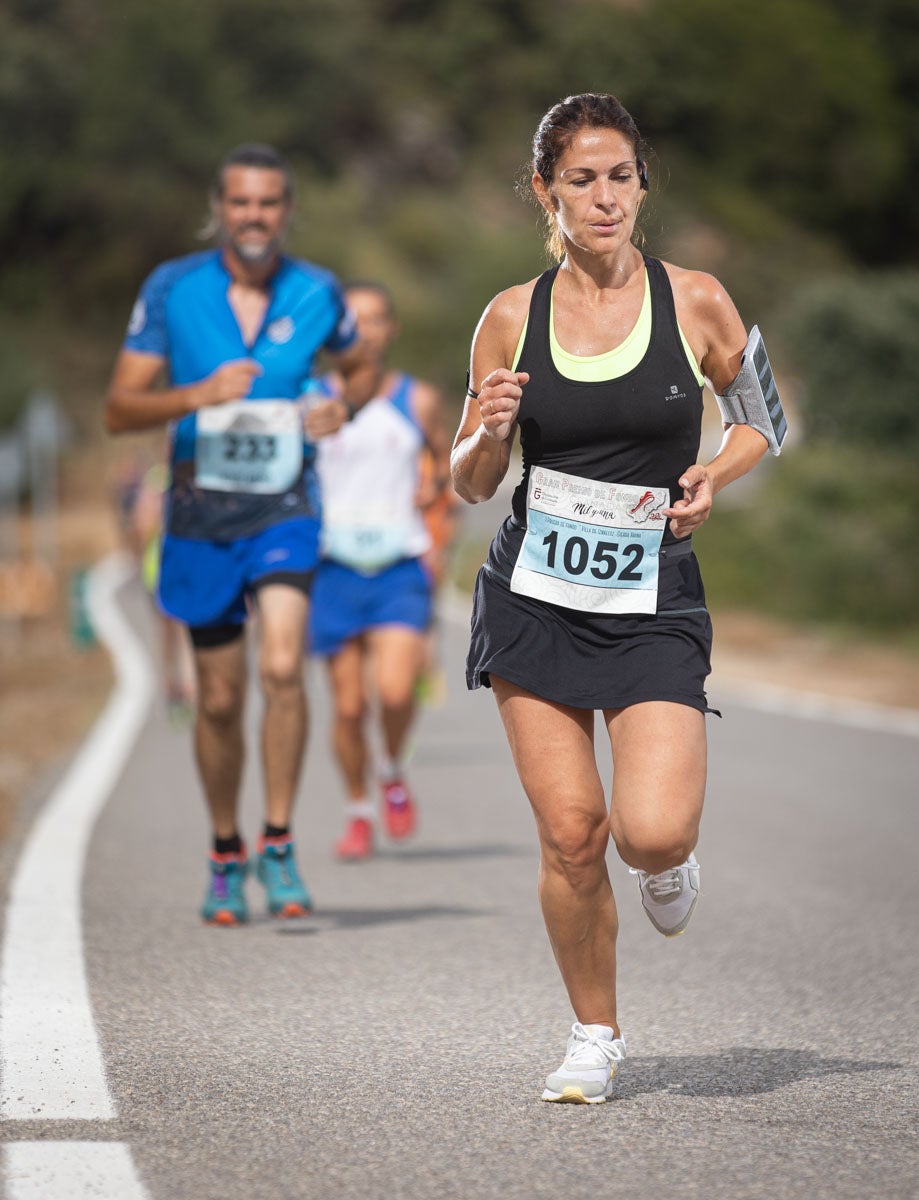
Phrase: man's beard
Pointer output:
(254, 254)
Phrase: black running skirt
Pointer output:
(586, 660)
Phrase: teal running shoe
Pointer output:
(225, 902)
(277, 870)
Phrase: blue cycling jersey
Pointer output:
(183, 315)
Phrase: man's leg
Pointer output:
(282, 612)
(220, 666)
(398, 656)
(219, 750)
(398, 660)
(349, 741)
(178, 670)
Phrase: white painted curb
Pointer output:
(51, 1059)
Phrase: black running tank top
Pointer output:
(641, 429)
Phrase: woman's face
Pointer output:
(595, 192)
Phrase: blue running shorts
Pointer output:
(206, 583)
(346, 603)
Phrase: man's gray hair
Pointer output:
(260, 156)
(250, 154)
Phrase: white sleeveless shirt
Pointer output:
(368, 475)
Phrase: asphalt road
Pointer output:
(395, 1043)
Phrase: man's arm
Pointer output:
(428, 408)
(136, 398)
(359, 375)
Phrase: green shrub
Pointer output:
(16, 381)
(828, 537)
(855, 345)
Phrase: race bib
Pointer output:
(365, 548)
(591, 546)
(249, 446)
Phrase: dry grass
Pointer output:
(51, 693)
(749, 647)
(51, 689)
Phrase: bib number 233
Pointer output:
(249, 446)
(591, 546)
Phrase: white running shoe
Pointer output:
(592, 1059)
(669, 898)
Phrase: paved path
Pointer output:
(394, 1044)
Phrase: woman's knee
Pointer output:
(658, 847)
(574, 845)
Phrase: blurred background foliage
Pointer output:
(784, 145)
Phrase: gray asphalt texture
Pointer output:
(395, 1043)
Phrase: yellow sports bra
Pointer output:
(596, 368)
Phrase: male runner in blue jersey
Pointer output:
(220, 345)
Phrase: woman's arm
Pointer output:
(716, 333)
(482, 447)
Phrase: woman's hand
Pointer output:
(499, 402)
(693, 510)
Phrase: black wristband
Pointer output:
(469, 392)
(350, 410)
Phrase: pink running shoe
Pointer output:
(398, 810)
(356, 843)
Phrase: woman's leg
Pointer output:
(659, 756)
(553, 750)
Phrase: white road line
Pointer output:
(71, 1171)
(455, 606)
(51, 1060)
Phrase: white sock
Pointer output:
(362, 809)
(390, 769)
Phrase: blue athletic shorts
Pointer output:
(346, 603)
(206, 583)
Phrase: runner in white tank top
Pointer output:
(368, 474)
(372, 596)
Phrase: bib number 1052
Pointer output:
(602, 564)
(590, 545)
